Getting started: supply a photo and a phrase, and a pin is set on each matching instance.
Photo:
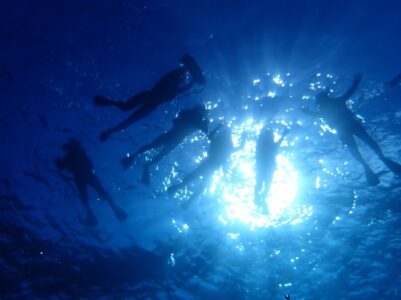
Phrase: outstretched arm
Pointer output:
(352, 89)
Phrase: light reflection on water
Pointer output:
(235, 189)
(233, 186)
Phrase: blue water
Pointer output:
(330, 237)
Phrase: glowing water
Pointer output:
(234, 188)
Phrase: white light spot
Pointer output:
(235, 187)
(277, 80)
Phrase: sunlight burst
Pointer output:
(235, 188)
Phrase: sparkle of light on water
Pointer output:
(234, 188)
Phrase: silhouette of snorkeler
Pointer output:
(265, 165)
(79, 164)
(219, 151)
(187, 122)
(166, 89)
(335, 111)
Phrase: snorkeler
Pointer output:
(335, 111)
(187, 122)
(166, 89)
(79, 164)
(219, 151)
(265, 164)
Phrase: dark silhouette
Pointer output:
(335, 111)
(219, 151)
(187, 122)
(265, 164)
(396, 80)
(166, 89)
(79, 164)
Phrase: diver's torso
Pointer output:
(338, 116)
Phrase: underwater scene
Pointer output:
(188, 149)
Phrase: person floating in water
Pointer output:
(187, 122)
(79, 164)
(219, 151)
(166, 89)
(265, 164)
(336, 113)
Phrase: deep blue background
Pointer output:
(56, 55)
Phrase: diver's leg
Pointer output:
(202, 169)
(128, 160)
(103, 101)
(83, 196)
(258, 194)
(258, 188)
(97, 186)
(370, 176)
(392, 165)
(200, 189)
(135, 101)
(262, 190)
(159, 141)
(140, 113)
(166, 149)
(266, 191)
(132, 103)
(364, 136)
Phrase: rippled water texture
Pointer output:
(321, 233)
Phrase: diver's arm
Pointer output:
(354, 86)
